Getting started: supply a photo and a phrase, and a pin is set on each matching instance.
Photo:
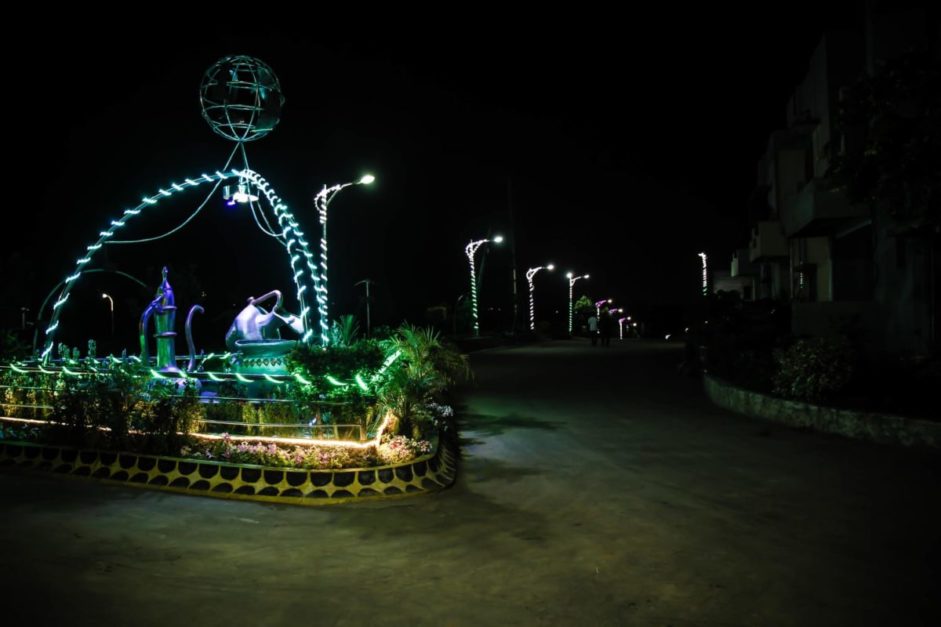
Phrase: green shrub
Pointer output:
(340, 362)
(169, 415)
(427, 366)
(813, 369)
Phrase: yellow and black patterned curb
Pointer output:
(239, 481)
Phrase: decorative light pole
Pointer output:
(111, 303)
(572, 279)
(600, 303)
(470, 250)
(322, 202)
(530, 274)
(705, 275)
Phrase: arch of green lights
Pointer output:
(304, 268)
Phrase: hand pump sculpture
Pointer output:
(164, 308)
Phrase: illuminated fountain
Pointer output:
(241, 100)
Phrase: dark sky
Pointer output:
(629, 142)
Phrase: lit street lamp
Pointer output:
(470, 250)
(572, 279)
(621, 324)
(111, 304)
(600, 303)
(530, 274)
(322, 203)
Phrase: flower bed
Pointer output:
(391, 450)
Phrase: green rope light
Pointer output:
(333, 381)
(362, 384)
(280, 209)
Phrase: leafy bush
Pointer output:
(340, 362)
(23, 395)
(425, 369)
(343, 331)
(170, 414)
(813, 369)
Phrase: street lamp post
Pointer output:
(530, 275)
(470, 250)
(621, 324)
(322, 203)
(600, 303)
(705, 275)
(367, 282)
(572, 279)
(111, 305)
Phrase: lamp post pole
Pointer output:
(572, 279)
(111, 306)
(530, 275)
(470, 250)
(322, 203)
(367, 282)
(705, 275)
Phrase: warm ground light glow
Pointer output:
(248, 438)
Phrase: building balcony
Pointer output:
(818, 210)
(767, 242)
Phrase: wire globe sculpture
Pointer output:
(241, 98)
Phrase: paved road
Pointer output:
(598, 488)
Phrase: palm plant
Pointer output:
(344, 330)
(425, 369)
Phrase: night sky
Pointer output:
(628, 144)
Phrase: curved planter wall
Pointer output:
(241, 481)
(882, 428)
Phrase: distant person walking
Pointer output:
(593, 329)
(606, 326)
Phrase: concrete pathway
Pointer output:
(598, 488)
